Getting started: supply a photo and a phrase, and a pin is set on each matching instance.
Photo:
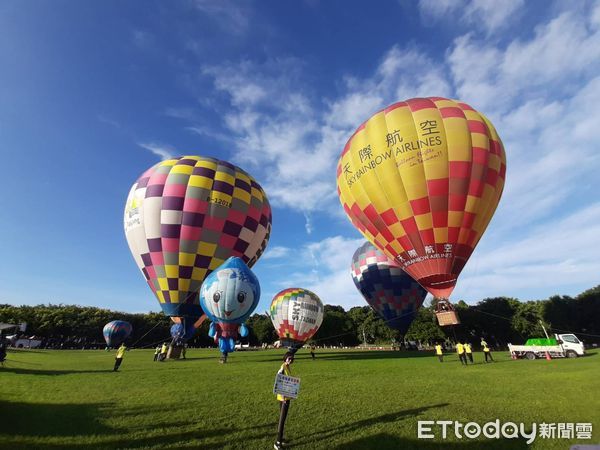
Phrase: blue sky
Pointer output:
(94, 93)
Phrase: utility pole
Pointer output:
(544, 328)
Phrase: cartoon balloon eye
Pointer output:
(241, 297)
(217, 296)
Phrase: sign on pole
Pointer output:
(286, 385)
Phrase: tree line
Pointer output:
(499, 320)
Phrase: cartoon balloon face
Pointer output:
(231, 293)
(421, 180)
(184, 217)
(116, 332)
(389, 290)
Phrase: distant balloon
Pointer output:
(179, 331)
(116, 332)
(421, 180)
(296, 314)
(391, 292)
(184, 217)
(228, 296)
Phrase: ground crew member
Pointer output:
(469, 352)
(312, 351)
(163, 352)
(156, 352)
(460, 349)
(438, 352)
(288, 359)
(119, 357)
(486, 351)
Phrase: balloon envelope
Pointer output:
(391, 292)
(184, 217)
(183, 331)
(421, 180)
(296, 314)
(116, 332)
(230, 293)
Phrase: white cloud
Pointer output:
(553, 255)
(229, 15)
(276, 252)
(489, 16)
(160, 150)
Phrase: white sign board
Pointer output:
(286, 385)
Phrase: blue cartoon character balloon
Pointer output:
(228, 296)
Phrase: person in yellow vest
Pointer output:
(439, 353)
(486, 351)
(468, 351)
(288, 359)
(156, 352)
(460, 349)
(312, 351)
(119, 357)
(163, 352)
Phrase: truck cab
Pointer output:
(571, 345)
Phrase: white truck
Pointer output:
(566, 346)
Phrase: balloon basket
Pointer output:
(174, 352)
(446, 314)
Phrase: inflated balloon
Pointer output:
(389, 290)
(184, 217)
(116, 332)
(183, 331)
(228, 296)
(296, 314)
(421, 180)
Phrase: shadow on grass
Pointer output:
(361, 424)
(23, 371)
(349, 355)
(383, 441)
(79, 426)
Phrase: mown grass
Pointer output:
(348, 399)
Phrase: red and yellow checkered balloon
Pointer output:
(421, 180)
(184, 217)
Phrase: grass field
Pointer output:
(348, 399)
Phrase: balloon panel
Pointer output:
(230, 293)
(184, 217)
(116, 332)
(421, 180)
(181, 331)
(391, 292)
(296, 314)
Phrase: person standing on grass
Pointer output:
(163, 352)
(486, 351)
(288, 359)
(460, 349)
(438, 352)
(156, 352)
(119, 357)
(469, 351)
(312, 351)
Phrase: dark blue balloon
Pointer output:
(179, 331)
(390, 291)
(116, 332)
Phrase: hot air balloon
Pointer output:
(184, 217)
(296, 314)
(388, 289)
(228, 296)
(181, 333)
(421, 180)
(116, 332)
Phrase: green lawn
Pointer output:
(348, 399)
